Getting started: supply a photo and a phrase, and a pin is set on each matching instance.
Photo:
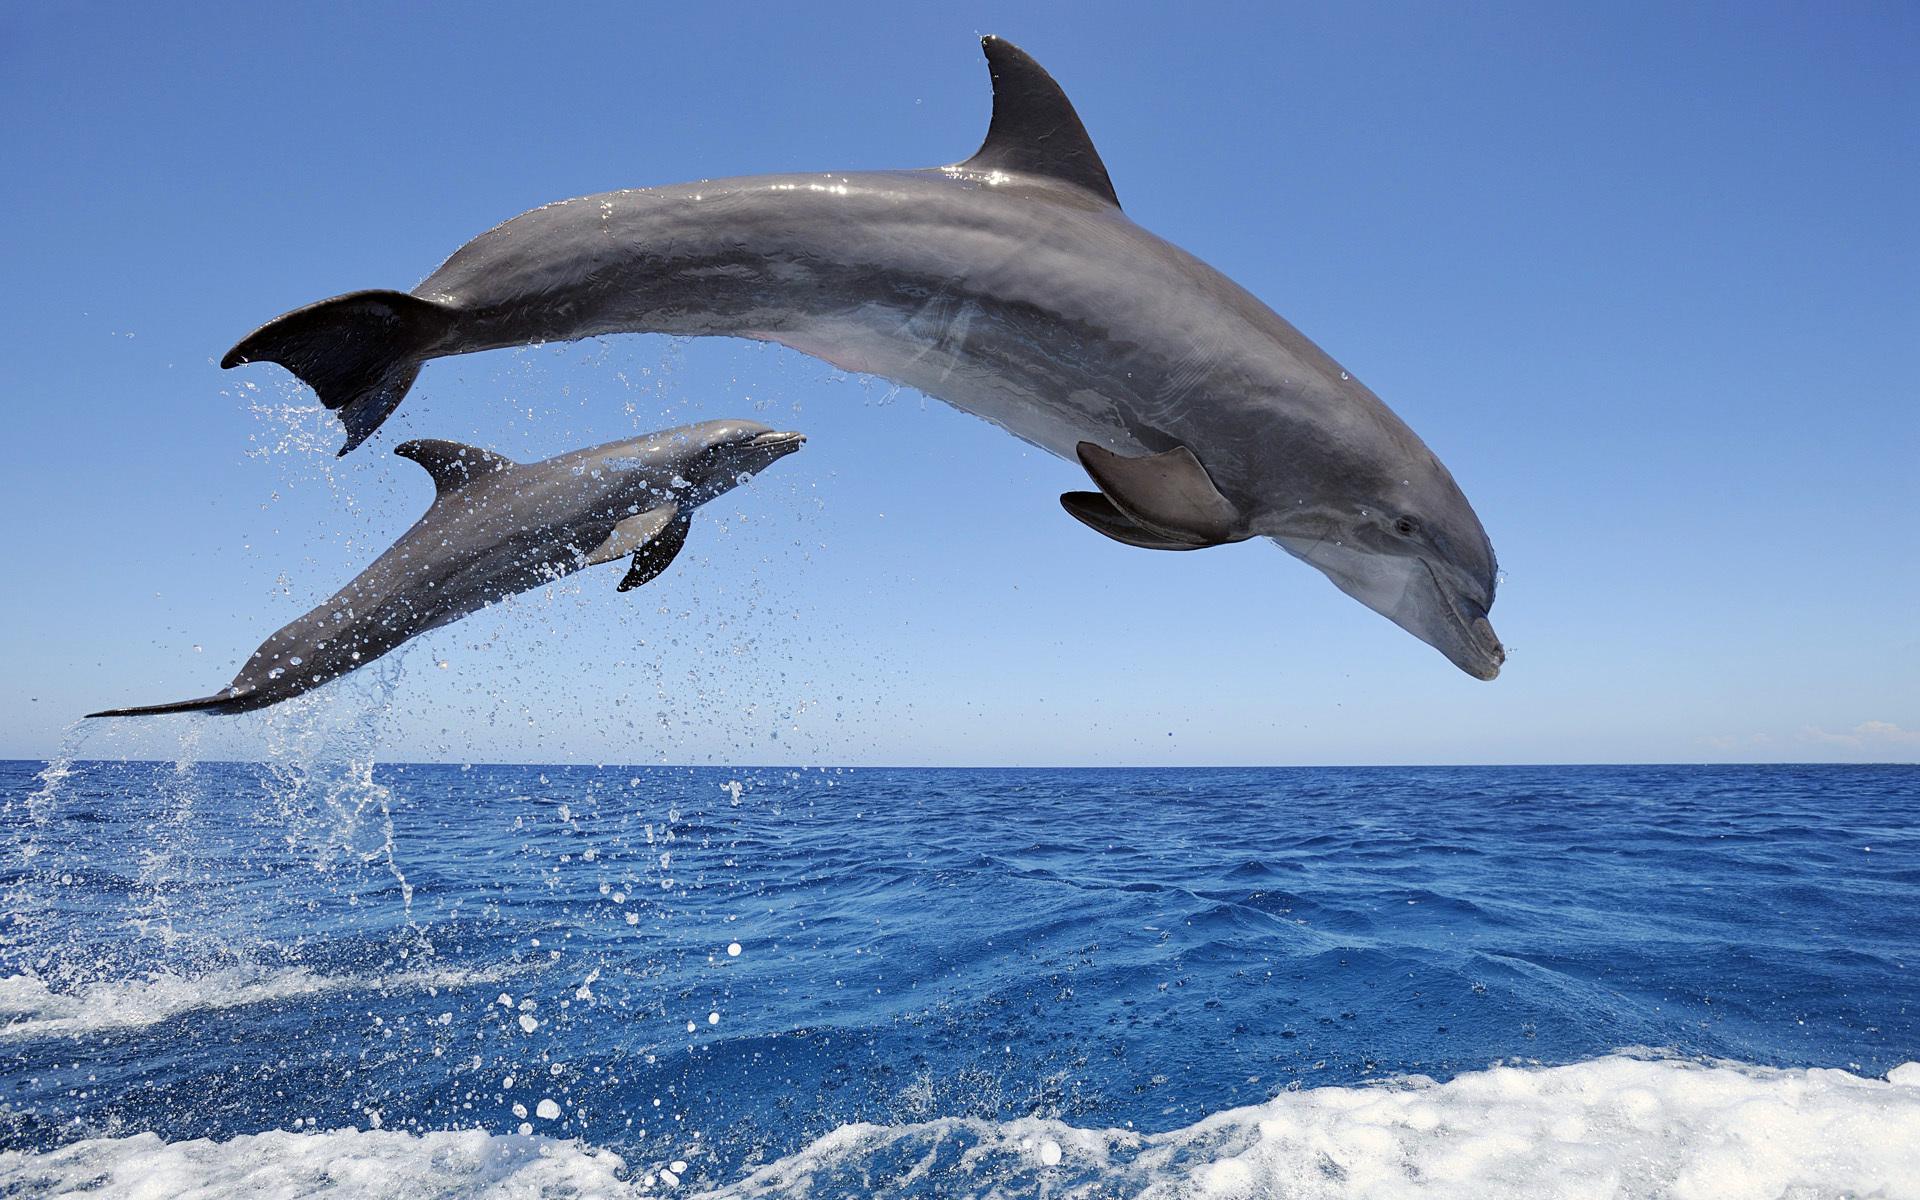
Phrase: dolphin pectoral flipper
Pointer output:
(634, 533)
(359, 352)
(659, 553)
(1170, 494)
(653, 537)
(1098, 513)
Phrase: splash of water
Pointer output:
(320, 802)
(52, 781)
(319, 775)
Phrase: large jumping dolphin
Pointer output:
(497, 527)
(1010, 286)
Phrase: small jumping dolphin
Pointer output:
(497, 527)
(1010, 286)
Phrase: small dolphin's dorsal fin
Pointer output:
(1034, 129)
(452, 464)
(1170, 494)
(653, 537)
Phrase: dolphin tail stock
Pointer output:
(227, 703)
(359, 351)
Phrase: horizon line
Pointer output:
(1329, 766)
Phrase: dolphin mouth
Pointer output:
(785, 443)
(1478, 651)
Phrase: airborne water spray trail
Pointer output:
(26, 895)
(51, 780)
(169, 856)
(180, 927)
(318, 775)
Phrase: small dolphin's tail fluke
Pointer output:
(230, 702)
(359, 351)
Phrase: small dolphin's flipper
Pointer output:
(1034, 128)
(634, 533)
(359, 351)
(653, 538)
(1097, 513)
(1170, 494)
(658, 554)
(228, 702)
(452, 464)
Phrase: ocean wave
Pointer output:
(346, 1164)
(30, 1008)
(1614, 1128)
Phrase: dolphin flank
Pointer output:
(497, 527)
(1011, 286)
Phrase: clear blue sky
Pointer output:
(1647, 279)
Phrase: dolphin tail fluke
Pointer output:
(230, 702)
(359, 351)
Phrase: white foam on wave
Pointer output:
(29, 1007)
(1614, 1128)
(348, 1164)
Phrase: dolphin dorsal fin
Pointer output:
(453, 465)
(1034, 129)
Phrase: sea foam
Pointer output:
(30, 1008)
(1614, 1128)
(348, 1164)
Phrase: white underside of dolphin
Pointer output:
(1011, 286)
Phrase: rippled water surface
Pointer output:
(721, 969)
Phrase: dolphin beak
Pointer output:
(779, 443)
(1471, 644)
(1483, 654)
(1440, 604)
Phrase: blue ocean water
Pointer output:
(720, 969)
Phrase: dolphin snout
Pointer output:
(1463, 634)
(1491, 654)
(786, 442)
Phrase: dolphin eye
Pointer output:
(1407, 526)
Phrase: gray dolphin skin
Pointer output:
(497, 527)
(1010, 286)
